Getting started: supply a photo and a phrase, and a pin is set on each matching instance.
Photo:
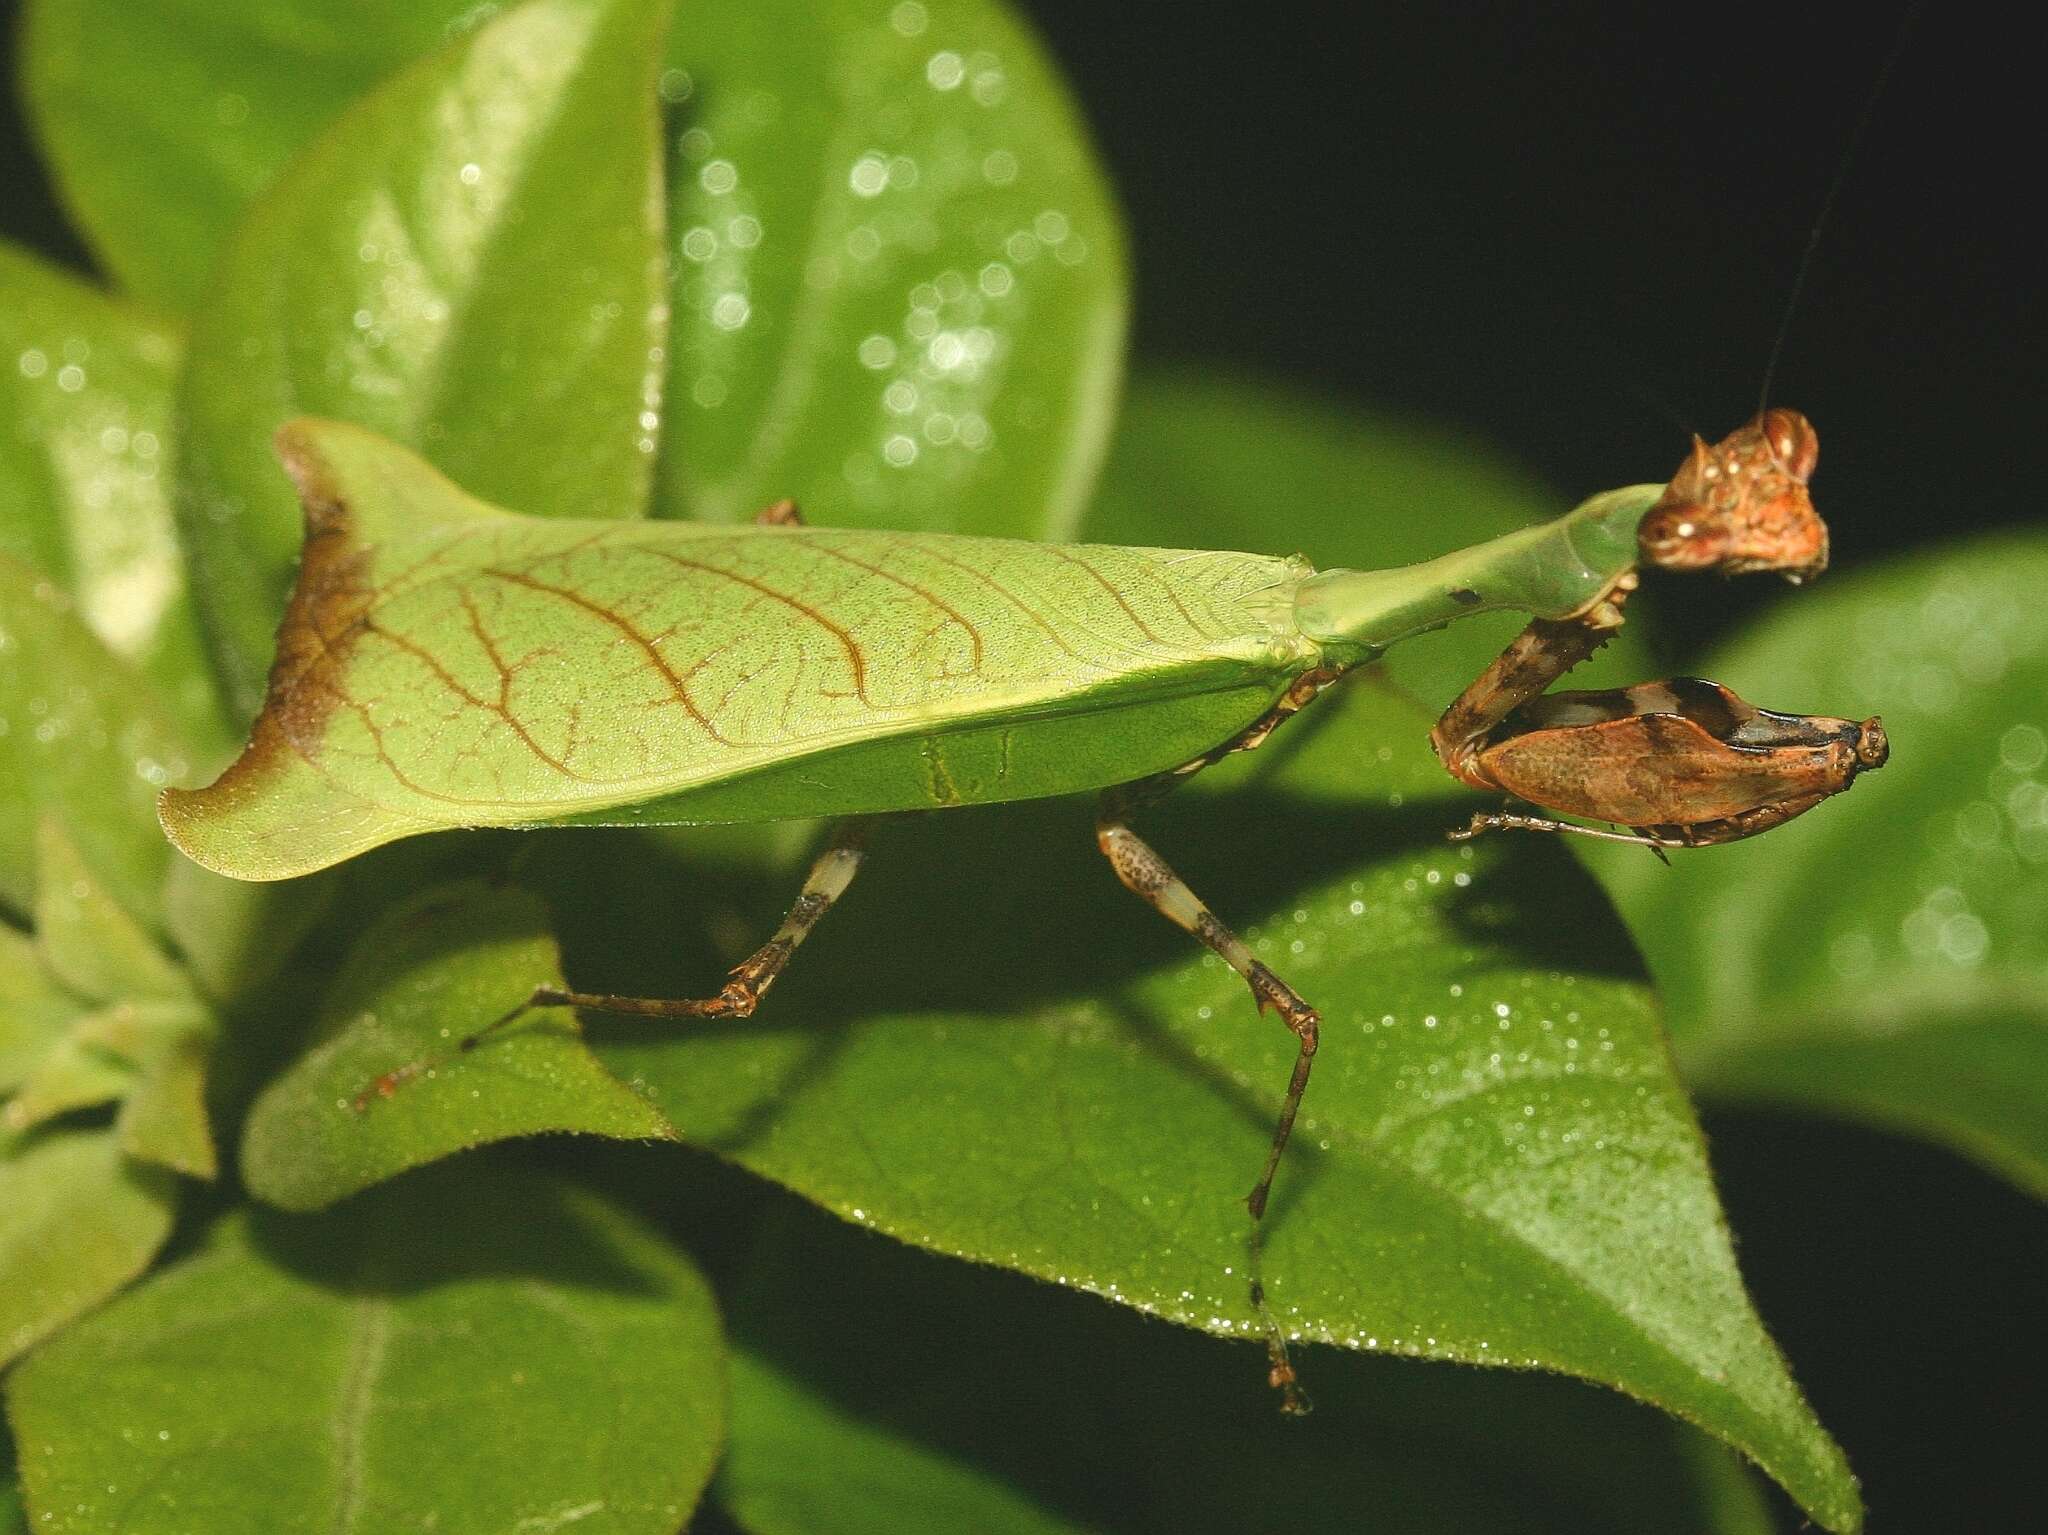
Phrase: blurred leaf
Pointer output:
(232, 935)
(35, 1011)
(84, 413)
(994, 1052)
(147, 1041)
(77, 1221)
(468, 260)
(72, 1073)
(83, 740)
(475, 1352)
(1886, 956)
(900, 279)
(164, 1120)
(1237, 463)
(433, 970)
(86, 941)
(163, 119)
(911, 1393)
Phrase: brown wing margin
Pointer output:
(274, 812)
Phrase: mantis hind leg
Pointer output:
(1153, 880)
(1150, 877)
(747, 982)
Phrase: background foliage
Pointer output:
(864, 255)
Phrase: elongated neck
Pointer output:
(1553, 570)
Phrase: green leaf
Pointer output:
(431, 971)
(906, 1392)
(86, 941)
(900, 282)
(468, 260)
(234, 936)
(475, 1352)
(35, 1012)
(77, 1221)
(146, 1044)
(84, 419)
(164, 1119)
(888, 224)
(162, 121)
(1236, 463)
(83, 740)
(993, 1051)
(1885, 957)
(73, 1073)
(12, 1520)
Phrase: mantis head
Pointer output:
(1742, 504)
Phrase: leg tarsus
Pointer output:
(1280, 1372)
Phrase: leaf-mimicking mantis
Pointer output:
(444, 663)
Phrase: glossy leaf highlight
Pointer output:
(469, 260)
(900, 285)
(85, 406)
(83, 740)
(163, 120)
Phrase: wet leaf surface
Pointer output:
(900, 280)
(994, 1052)
(916, 1392)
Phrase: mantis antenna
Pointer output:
(1857, 134)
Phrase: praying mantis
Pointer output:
(444, 663)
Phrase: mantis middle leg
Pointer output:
(747, 982)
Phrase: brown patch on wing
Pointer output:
(323, 618)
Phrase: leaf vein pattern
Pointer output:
(369, 1340)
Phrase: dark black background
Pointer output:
(1572, 229)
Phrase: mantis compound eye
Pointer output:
(1742, 504)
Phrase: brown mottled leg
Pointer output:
(782, 514)
(1543, 652)
(1148, 875)
(750, 979)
